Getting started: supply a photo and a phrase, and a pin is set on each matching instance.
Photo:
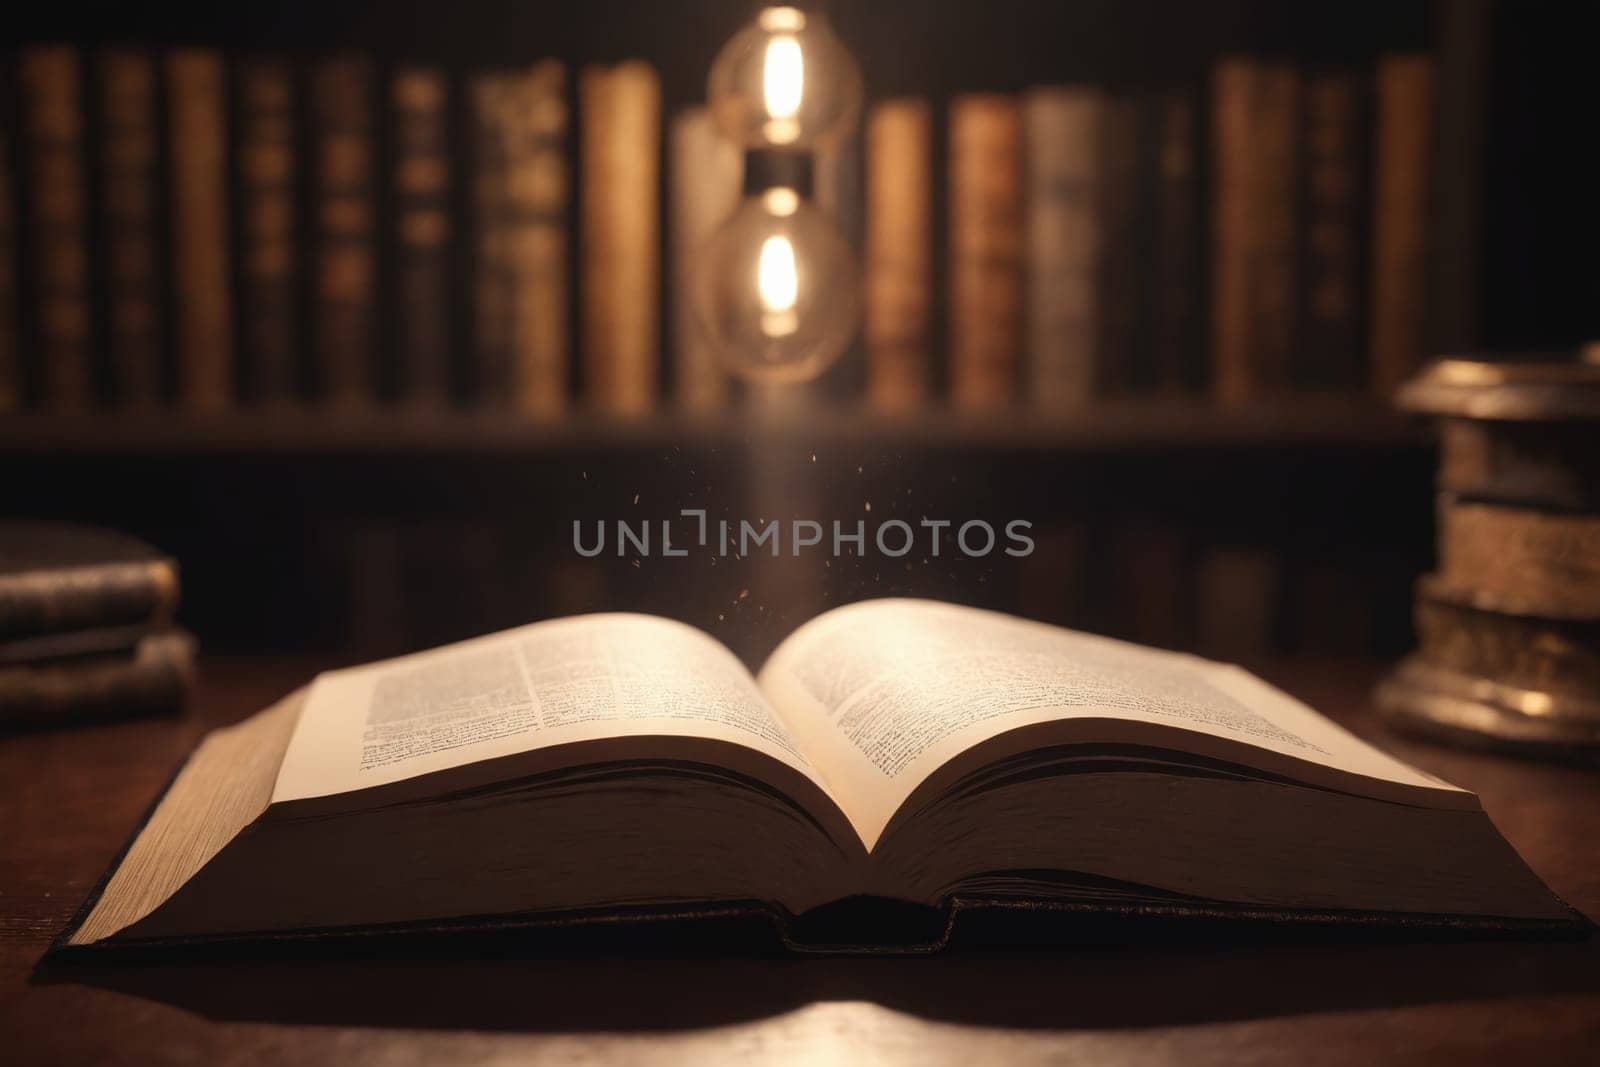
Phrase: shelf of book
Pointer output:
(1132, 426)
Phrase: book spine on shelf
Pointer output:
(422, 234)
(1233, 92)
(129, 189)
(1175, 267)
(841, 195)
(703, 189)
(491, 268)
(1330, 303)
(985, 249)
(1401, 179)
(267, 187)
(10, 340)
(536, 241)
(1065, 192)
(51, 82)
(203, 330)
(620, 109)
(1275, 198)
(898, 255)
(1122, 361)
(345, 272)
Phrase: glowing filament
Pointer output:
(783, 81)
(778, 286)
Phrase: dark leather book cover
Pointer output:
(128, 160)
(52, 86)
(345, 262)
(423, 234)
(151, 678)
(59, 578)
(1124, 358)
(1330, 351)
(267, 171)
(1174, 264)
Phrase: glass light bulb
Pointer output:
(775, 289)
(785, 81)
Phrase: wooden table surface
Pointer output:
(69, 798)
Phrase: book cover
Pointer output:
(986, 171)
(1174, 272)
(203, 328)
(268, 211)
(535, 127)
(131, 225)
(51, 80)
(422, 235)
(898, 254)
(1122, 359)
(1330, 351)
(620, 146)
(1065, 196)
(345, 281)
(704, 171)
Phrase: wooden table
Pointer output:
(68, 799)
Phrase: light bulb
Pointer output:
(784, 81)
(775, 290)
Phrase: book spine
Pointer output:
(899, 253)
(985, 249)
(704, 172)
(1331, 296)
(153, 679)
(620, 110)
(1123, 363)
(203, 330)
(491, 271)
(1175, 277)
(52, 83)
(1401, 178)
(128, 195)
(1233, 92)
(423, 234)
(841, 195)
(345, 273)
(536, 204)
(1275, 256)
(10, 348)
(37, 602)
(267, 177)
(1065, 191)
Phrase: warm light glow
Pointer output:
(780, 201)
(782, 20)
(778, 285)
(783, 80)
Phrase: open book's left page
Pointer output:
(538, 687)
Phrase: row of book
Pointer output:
(180, 227)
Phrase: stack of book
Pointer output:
(1509, 622)
(86, 626)
(213, 232)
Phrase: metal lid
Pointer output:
(1529, 386)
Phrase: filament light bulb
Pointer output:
(784, 81)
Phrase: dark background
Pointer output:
(296, 533)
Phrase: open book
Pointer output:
(624, 765)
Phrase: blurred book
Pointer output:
(704, 171)
(898, 253)
(1401, 179)
(420, 171)
(985, 301)
(345, 269)
(270, 335)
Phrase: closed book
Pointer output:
(620, 146)
(268, 210)
(537, 197)
(1330, 353)
(1255, 123)
(1401, 181)
(1122, 357)
(151, 678)
(898, 253)
(129, 158)
(59, 578)
(10, 346)
(492, 280)
(423, 234)
(1174, 267)
(841, 196)
(203, 324)
(345, 270)
(1065, 191)
(986, 171)
(62, 336)
(703, 178)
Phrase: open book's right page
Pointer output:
(884, 694)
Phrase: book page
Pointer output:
(883, 693)
(551, 683)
